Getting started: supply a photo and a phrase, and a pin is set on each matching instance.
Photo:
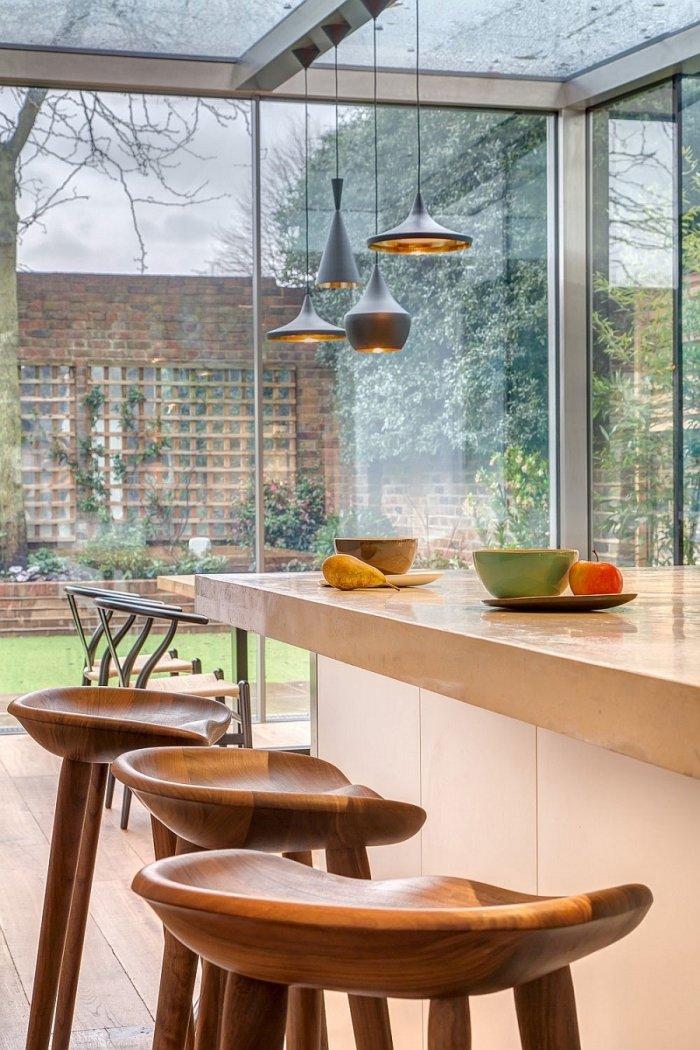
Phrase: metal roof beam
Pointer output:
(271, 61)
(676, 53)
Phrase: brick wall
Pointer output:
(80, 319)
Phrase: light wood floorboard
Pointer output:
(121, 962)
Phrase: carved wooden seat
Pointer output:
(88, 727)
(275, 801)
(274, 924)
(270, 800)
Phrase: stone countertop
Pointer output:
(627, 679)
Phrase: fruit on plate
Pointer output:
(595, 577)
(348, 573)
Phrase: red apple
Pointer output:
(595, 577)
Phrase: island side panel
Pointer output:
(479, 789)
(369, 726)
(605, 819)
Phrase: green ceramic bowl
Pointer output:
(522, 572)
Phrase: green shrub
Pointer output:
(46, 561)
(294, 512)
(119, 551)
(516, 513)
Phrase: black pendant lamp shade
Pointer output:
(307, 326)
(377, 324)
(338, 268)
(419, 233)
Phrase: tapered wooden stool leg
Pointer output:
(80, 905)
(547, 1013)
(449, 1025)
(254, 1015)
(71, 801)
(306, 1014)
(370, 1017)
(305, 1018)
(177, 975)
(211, 1002)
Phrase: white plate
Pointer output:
(405, 579)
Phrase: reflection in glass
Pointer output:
(690, 317)
(447, 440)
(632, 327)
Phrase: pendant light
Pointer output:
(377, 324)
(419, 233)
(307, 326)
(338, 268)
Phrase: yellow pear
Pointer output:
(348, 573)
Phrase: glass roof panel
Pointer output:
(534, 38)
(202, 28)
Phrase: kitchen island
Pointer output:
(553, 753)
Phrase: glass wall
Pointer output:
(644, 236)
(127, 419)
(689, 326)
(127, 354)
(446, 440)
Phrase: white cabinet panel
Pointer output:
(606, 819)
(369, 727)
(479, 788)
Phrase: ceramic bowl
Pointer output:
(522, 572)
(391, 556)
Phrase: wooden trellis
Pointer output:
(47, 394)
(177, 440)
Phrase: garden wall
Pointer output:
(41, 608)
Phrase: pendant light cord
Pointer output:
(306, 169)
(376, 136)
(337, 133)
(418, 86)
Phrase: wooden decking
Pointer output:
(123, 943)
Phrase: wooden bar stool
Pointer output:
(273, 924)
(212, 685)
(88, 727)
(281, 803)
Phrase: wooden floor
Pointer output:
(123, 943)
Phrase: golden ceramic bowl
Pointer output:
(390, 556)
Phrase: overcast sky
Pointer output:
(96, 235)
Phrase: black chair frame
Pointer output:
(173, 616)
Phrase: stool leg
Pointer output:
(547, 1013)
(449, 1025)
(126, 808)
(109, 795)
(254, 1015)
(306, 1014)
(211, 999)
(80, 904)
(179, 969)
(71, 801)
(370, 1017)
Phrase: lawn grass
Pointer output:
(38, 662)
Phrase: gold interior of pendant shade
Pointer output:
(306, 337)
(422, 245)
